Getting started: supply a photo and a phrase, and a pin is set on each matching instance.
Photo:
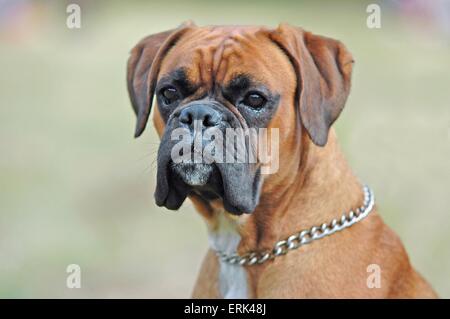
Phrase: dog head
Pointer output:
(225, 77)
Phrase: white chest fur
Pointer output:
(232, 278)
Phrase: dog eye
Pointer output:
(169, 94)
(255, 100)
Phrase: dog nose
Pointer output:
(206, 115)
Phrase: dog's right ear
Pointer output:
(143, 68)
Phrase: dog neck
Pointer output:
(318, 187)
(322, 188)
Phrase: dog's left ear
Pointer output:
(323, 67)
(143, 68)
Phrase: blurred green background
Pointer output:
(75, 187)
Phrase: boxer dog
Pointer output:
(271, 235)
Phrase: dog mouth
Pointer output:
(236, 184)
(198, 178)
(210, 182)
(183, 172)
(193, 174)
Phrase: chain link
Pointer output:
(303, 237)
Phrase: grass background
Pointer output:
(75, 187)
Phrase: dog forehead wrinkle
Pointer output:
(213, 52)
(207, 52)
(224, 48)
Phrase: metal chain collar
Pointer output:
(304, 237)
